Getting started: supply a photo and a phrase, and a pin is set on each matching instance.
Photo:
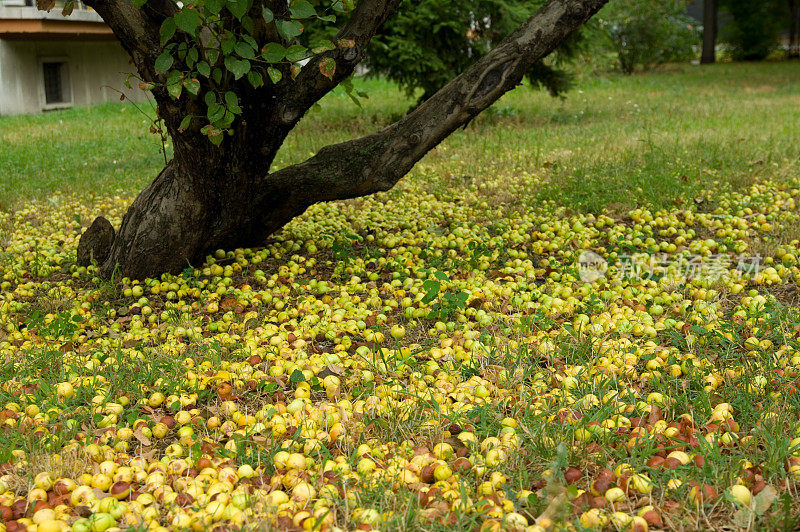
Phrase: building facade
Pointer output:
(49, 61)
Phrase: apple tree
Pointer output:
(231, 79)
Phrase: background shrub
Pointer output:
(643, 33)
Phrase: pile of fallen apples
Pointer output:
(436, 360)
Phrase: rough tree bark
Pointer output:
(211, 197)
(709, 32)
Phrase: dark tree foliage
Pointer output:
(754, 27)
(429, 42)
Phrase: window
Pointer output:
(55, 81)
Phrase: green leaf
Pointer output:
(174, 83)
(268, 15)
(441, 276)
(343, 6)
(274, 74)
(216, 75)
(192, 85)
(255, 79)
(239, 8)
(215, 112)
(302, 9)
(192, 56)
(182, 49)
(214, 6)
(289, 29)
(232, 101)
(327, 18)
(698, 329)
(167, 30)
(227, 42)
(204, 69)
(248, 25)
(185, 123)
(237, 67)
(251, 41)
(296, 377)
(139, 3)
(347, 85)
(296, 52)
(245, 50)
(227, 119)
(187, 20)
(164, 62)
(212, 54)
(533, 500)
(431, 288)
(210, 98)
(322, 45)
(273, 52)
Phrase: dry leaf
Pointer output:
(765, 499)
(333, 369)
(144, 440)
(327, 67)
(227, 304)
(744, 517)
(556, 507)
(492, 373)
(150, 455)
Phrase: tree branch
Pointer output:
(376, 162)
(311, 85)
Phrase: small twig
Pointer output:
(156, 121)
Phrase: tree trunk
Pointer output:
(211, 197)
(709, 31)
(163, 228)
(794, 29)
(204, 199)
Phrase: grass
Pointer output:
(441, 321)
(660, 138)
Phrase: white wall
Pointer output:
(95, 69)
